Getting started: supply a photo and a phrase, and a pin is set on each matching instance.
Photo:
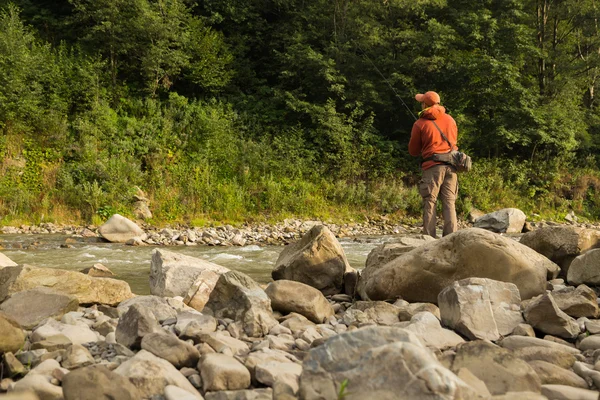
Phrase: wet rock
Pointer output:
(169, 347)
(551, 374)
(317, 260)
(222, 372)
(585, 269)
(289, 296)
(421, 274)
(543, 314)
(577, 302)
(507, 220)
(12, 336)
(119, 229)
(238, 297)
(136, 323)
(157, 305)
(31, 307)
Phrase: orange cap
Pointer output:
(429, 98)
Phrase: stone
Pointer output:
(264, 356)
(507, 220)
(520, 342)
(498, 368)
(222, 343)
(562, 244)
(254, 394)
(387, 252)
(119, 229)
(543, 314)
(168, 347)
(378, 362)
(481, 308)
(551, 374)
(21, 395)
(585, 269)
(317, 260)
(53, 343)
(141, 210)
(87, 289)
(6, 262)
(524, 330)
(429, 331)
(31, 307)
(40, 385)
(296, 322)
(577, 302)
(378, 312)
(473, 381)
(77, 334)
(289, 296)
(421, 274)
(555, 356)
(13, 366)
(98, 382)
(270, 372)
(98, 271)
(562, 392)
(222, 372)
(407, 311)
(238, 297)
(77, 356)
(591, 342)
(151, 375)
(136, 323)
(193, 326)
(157, 305)
(520, 396)
(12, 337)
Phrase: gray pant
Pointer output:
(439, 180)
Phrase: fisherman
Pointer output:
(438, 178)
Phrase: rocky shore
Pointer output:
(474, 315)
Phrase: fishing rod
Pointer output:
(386, 81)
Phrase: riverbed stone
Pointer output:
(119, 229)
(78, 334)
(290, 296)
(409, 310)
(30, 307)
(507, 220)
(223, 372)
(240, 298)
(12, 366)
(562, 392)
(421, 274)
(481, 308)
(558, 357)
(173, 274)
(151, 374)
(585, 269)
(157, 305)
(551, 374)
(377, 312)
(317, 260)
(136, 323)
(430, 332)
(77, 356)
(591, 342)
(577, 302)
(191, 325)
(387, 252)
(168, 347)
(87, 289)
(222, 343)
(520, 342)
(98, 271)
(251, 394)
(266, 355)
(543, 314)
(6, 262)
(497, 367)
(271, 372)
(40, 385)
(98, 382)
(12, 337)
(373, 362)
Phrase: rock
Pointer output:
(168, 347)
(173, 274)
(77, 356)
(577, 302)
(136, 323)
(378, 363)
(12, 336)
(289, 296)
(590, 343)
(77, 334)
(585, 269)
(98, 382)
(421, 274)
(22, 395)
(265, 356)
(53, 343)
(473, 381)
(317, 260)
(270, 372)
(141, 210)
(222, 343)
(524, 330)
(254, 394)
(191, 326)
(119, 229)
(6, 262)
(407, 311)
(497, 367)
(387, 252)
(428, 329)
(296, 322)
(41, 386)
(520, 342)
(481, 308)
(520, 396)
(507, 220)
(86, 289)
(543, 314)
(238, 297)
(222, 372)
(157, 305)
(12, 366)
(98, 271)
(562, 244)
(151, 375)
(554, 356)
(551, 374)
(31, 307)
(562, 392)
(378, 312)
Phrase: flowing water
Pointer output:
(132, 264)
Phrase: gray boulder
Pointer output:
(31, 307)
(119, 229)
(543, 314)
(585, 269)
(507, 220)
(289, 296)
(421, 274)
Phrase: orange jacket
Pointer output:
(425, 138)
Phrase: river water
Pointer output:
(132, 264)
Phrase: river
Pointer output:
(132, 263)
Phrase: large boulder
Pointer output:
(97, 382)
(421, 274)
(12, 336)
(289, 296)
(239, 297)
(173, 274)
(119, 229)
(577, 302)
(6, 262)
(507, 220)
(386, 252)
(31, 307)
(543, 314)
(585, 269)
(317, 260)
(562, 244)
(481, 308)
(378, 363)
(87, 289)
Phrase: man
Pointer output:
(438, 178)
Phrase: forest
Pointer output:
(259, 110)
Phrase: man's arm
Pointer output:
(415, 145)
